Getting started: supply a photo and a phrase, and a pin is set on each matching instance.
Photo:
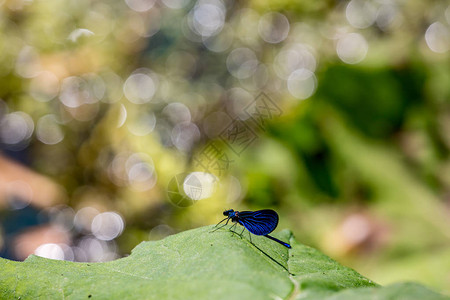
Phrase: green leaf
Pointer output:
(197, 264)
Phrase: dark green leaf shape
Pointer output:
(197, 264)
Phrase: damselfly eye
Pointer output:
(228, 212)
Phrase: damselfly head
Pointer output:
(228, 212)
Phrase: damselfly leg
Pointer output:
(233, 227)
(228, 220)
(243, 229)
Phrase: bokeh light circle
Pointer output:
(302, 84)
(242, 63)
(352, 48)
(437, 37)
(199, 185)
(273, 27)
(139, 88)
(107, 226)
(48, 131)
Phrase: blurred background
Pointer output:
(129, 120)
